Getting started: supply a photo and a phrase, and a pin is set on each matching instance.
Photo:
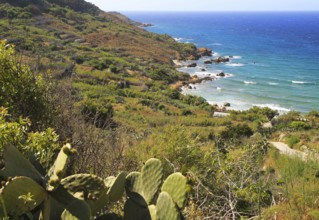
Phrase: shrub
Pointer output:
(21, 91)
(97, 112)
(299, 125)
(233, 132)
(292, 141)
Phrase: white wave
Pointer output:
(250, 82)
(178, 39)
(236, 57)
(216, 44)
(235, 64)
(273, 83)
(215, 54)
(218, 88)
(273, 107)
(301, 82)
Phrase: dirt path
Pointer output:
(285, 149)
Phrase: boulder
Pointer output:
(221, 60)
(208, 62)
(192, 57)
(226, 104)
(221, 74)
(192, 65)
(203, 70)
(204, 52)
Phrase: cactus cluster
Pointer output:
(25, 191)
(147, 200)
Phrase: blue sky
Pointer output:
(207, 5)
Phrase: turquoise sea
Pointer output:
(275, 55)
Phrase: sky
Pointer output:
(207, 5)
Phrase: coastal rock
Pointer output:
(193, 57)
(226, 104)
(221, 60)
(203, 70)
(190, 87)
(221, 74)
(192, 65)
(208, 62)
(204, 52)
(145, 25)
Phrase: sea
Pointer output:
(274, 56)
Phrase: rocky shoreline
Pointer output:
(191, 62)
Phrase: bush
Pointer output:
(292, 141)
(299, 125)
(41, 144)
(21, 91)
(97, 112)
(233, 132)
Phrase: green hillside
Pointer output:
(71, 73)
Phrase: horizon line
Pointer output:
(281, 11)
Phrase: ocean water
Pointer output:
(275, 55)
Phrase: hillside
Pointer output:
(101, 83)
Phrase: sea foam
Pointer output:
(250, 82)
(301, 82)
(235, 64)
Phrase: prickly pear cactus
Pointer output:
(17, 165)
(116, 189)
(176, 186)
(113, 190)
(57, 171)
(148, 181)
(20, 195)
(134, 182)
(152, 210)
(166, 208)
(152, 174)
(90, 185)
(134, 211)
(77, 210)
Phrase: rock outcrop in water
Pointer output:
(221, 60)
(200, 52)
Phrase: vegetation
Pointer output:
(93, 79)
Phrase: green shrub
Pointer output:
(299, 125)
(292, 141)
(21, 91)
(41, 144)
(97, 112)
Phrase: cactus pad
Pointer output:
(91, 186)
(77, 210)
(116, 189)
(134, 182)
(21, 195)
(165, 208)
(152, 210)
(176, 186)
(152, 174)
(57, 171)
(17, 165)
(133, 211)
